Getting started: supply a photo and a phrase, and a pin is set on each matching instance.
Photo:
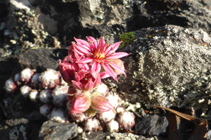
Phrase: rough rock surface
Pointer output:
(116, 136)
(168, 66)
(152, 125)
(58, 131)
(20, 118)
(54, 23)
(40, 59)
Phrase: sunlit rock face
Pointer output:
(168, 66)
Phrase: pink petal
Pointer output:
(76, 49)
(101, 43)
(85, 60)
(77, 77)
(96, 67)
(109, 71)
(82, 73)
(93, 40)
(97, 78)
(77, 84)
(117, 68)
(81, 49)
(81, 41)
(101, 104)
(83, 66)
(86, 47)
(104, 75)
(89, 85)
(81, 103)
(113, 48)
(97, 81)
(117, 55)
(94, 74)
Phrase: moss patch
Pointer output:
(126, 38)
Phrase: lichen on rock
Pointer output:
(168, 66)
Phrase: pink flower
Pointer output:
(68, 68)
(99, 55)
(86, 80)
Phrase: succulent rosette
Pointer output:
(101, 56)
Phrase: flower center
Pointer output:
(86, 78)
(98, 55)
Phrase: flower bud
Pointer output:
(112, 126)
(102, 89)
(126, 120)
(10, 86)
(45, 96)
(35, 80)
(25, 90)
(119, 63)
(33, 95)
(67, 69)
(92, 124)
(59, 95)
(81, 103)
(26, 75)
(114, 99)
(57, 114)
(107, 116)
(101, 104)
(49, 78)
(17, 79)
(45, 109)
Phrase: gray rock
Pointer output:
(116, 136)
(152, 125)
(168, 66)
(37, 23)
(106, 16)
(58, 131)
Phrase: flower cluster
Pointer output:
(86, 64)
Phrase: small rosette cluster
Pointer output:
(47, 87)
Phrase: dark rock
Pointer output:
(6, 68)
(41, 59)
(3, 9)
(58, 131)
(19, 129)
(152, 125)
(200, 131)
